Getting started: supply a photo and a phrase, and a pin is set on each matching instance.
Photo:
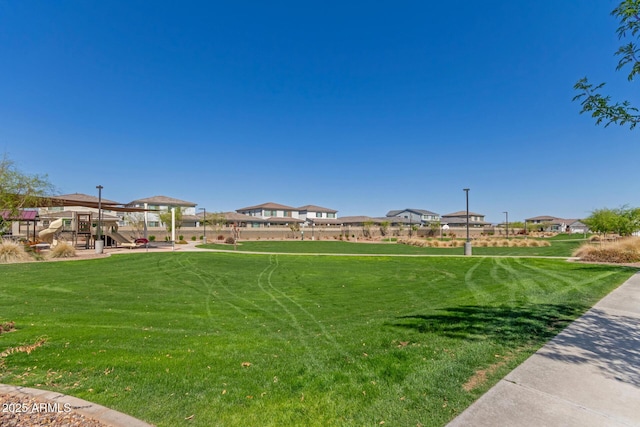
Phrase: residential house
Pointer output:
(317, 215)
(459, 219)
(277, 214)
(416, 216)
(557, 225)
(577, 226)
(164, 204)
(316, 212)
(229, 219)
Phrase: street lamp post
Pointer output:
(204, 224)
(467, 244)
(507, 222)
(99, 246)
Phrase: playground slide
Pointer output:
(120, 238)
(47, 235)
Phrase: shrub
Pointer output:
(181, 237)
(63, 250)
(623, 251)
(229, 240)
(220, 237)
(152, 238)
(11, 251)
(193, 238)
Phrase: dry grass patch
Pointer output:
(11, 251)
(622, 251)
(483, 242)
(63, 250)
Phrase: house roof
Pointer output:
(314, 208)
(355, 219)
(542, 218)
(395, 220)
(418, 211)
(553, 220)
(238, 217)
(268, 205)
(462, 214)
(162, 201)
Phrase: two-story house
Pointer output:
(158, 204)
(415, 216)
(459, 219)
(274, 213)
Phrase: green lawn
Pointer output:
(241, 339)
(559, 247)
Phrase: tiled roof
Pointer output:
(314, 208)
(418, 211)
(355, 219)
(268, 205)
(238, 217)
(542, 218)
(462, 214)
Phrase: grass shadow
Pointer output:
(507, 324)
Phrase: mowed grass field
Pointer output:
(216, 339)
(561, 246)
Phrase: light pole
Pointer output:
(467, 244)
(507, 222)
(204, 224)
(99, 246)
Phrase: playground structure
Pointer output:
(81, 228)
(50, 235)
(112, 232)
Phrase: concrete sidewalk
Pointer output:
(588, 375)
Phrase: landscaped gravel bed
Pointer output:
(26, 411)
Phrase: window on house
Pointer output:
(287, 214)
(318, 214)
(154, 223)
(331, 215)
(270, 213)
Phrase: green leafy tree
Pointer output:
(623, 221)
(602, 221)
(19, 190)
(601, 107)
(628, 221)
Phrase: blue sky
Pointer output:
(357, 106)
